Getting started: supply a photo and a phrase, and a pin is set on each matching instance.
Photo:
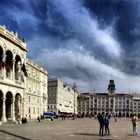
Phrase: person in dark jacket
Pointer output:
(106, 123)
(101, 123)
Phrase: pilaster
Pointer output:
(4, 109)
(13, 109)
(13, 71)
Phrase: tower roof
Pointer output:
(111, 86)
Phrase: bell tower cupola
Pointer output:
(111, 87)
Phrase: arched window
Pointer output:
(17, 68)
(9, 64)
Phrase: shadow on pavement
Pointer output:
(131, 135)
(88, 134)
(91, 134)
(108, 139)
(21, 137)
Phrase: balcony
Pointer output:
(18, 82)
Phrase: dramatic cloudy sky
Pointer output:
(82, 41)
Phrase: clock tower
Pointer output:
(111, 87)
(111, 99)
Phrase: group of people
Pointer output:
(24, 120)
(39, 118)
(64, 116)
(104, 124)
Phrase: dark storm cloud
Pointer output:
(18, 16)
(127, 27)
(79, 40)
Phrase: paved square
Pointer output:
(78, 129)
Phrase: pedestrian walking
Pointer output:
(73, 116)
(115, 118)
(134, 124)
(101, 123)
(38, 118)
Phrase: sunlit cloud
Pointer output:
(82, 23)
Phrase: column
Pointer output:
(125, 108)
(3, 68)
(4, 110)
(13, 71)
(129, 107)
(114, 105)
(21, 109)
(13, 109)
(101, 109)
(93, 107)
(97, 106)
(24, 112)
(74, 102)
(109, 104)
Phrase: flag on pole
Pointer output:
(23, 68)
(3, 63)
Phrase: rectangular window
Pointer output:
(29, 99)
(34, 110)
(29, 110)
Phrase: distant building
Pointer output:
(136, 104)
(61, 97)
(119, 104)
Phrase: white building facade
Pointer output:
(61, 97)
(119, 104)
(14, 91)
(136, 104)
(94, 103)
(12, 82)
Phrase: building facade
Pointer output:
(119, 104)
(35, 96)
(12, 82)
(61, 97)
(14, 91)
(136, 104)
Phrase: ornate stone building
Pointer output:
(120, 104)
(13, 90)
(61, 97)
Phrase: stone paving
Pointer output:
(78, 129)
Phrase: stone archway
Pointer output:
(1, 104)
(9, 100)
(18, 110)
